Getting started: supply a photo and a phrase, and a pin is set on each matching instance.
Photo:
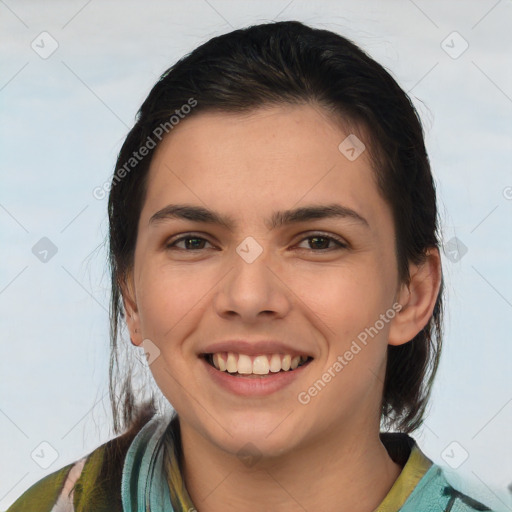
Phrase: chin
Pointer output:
(262, 438)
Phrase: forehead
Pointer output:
(272, 158)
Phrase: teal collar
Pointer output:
(143, 484)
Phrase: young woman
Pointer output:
(274, 249)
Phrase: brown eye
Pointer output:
(191, 243)
(320, 242)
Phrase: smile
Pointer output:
(260, 365)
(255, 376)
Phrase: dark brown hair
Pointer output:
(291, 63)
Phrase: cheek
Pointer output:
(168, 298)
(171, 302)
(347, 298)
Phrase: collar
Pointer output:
(156, 453)
(143, 483)
(404, 451)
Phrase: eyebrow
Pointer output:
(277, 219)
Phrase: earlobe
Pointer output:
(418, 299)
(130, 306)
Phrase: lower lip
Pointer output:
(253, 386)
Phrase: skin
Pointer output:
(325, 455)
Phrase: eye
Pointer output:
(318, 242)
(321, 241)
(192, 243)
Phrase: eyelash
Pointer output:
(339, 242)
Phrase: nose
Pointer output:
(252, 290)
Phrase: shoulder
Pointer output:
(41, 496)
(435, 493)
(93, 482)
(423, 485)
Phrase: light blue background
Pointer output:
(63, 120)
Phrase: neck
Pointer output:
(342, 473)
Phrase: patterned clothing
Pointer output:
(147, 477)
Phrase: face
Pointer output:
(262, 283)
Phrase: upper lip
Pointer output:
(253, 348)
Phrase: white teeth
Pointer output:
(219, 362)
(244, 364)
(275, 363)
(260, 365)
(231, 363)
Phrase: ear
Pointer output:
(130, 306)
(417, 298)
